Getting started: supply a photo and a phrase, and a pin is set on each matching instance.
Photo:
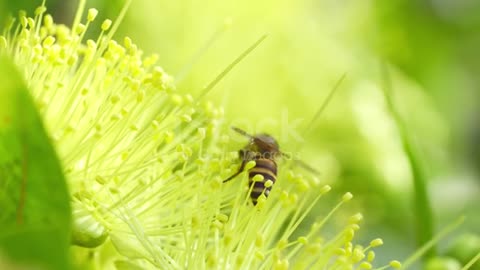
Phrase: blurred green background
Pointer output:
(431, 48)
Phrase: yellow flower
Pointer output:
(145, 162)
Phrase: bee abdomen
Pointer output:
(268, 169)
(267, 164)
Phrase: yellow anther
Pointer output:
(100, 180)
(376, 242)
(39, 10)
(140, 96)
(347, 197)
(240, 259)
(80, 29)
(222, 217)
(303, 240)
(212, 260)
(217, 224)
(114, 99)
(23, 21)
(186, 118)
(48, 21)
(293, 198)
(259, 240)
(31, 23)
(268, 183)
(127, 42)
(282, 243)
(314, 248)
(72, 59)
(91, 44)
(201, 133)
(261, 201)
(155, 124)
(259, 255)
(134, 127)
(325, 189)
(281, 265)
(357, 255)
(349, 234)
(227, 239)
(106, 25)
(169, 136)
(48, 41)
(395, 264)
(355, 227)
(250, 165)
(356, 218)
(92, 14)
(365, 265)
(303, 185)
(371, 256)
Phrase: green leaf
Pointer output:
(35, 216)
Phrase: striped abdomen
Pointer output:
(268, 169)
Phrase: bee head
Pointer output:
(265, 144)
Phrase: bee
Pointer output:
(264, 150)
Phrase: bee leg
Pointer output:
(240, 170)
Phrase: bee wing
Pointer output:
(300, 163)
(306, 166)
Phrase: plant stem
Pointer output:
(421, 207)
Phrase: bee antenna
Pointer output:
(325, 103)
(237, 60)
(243, 132)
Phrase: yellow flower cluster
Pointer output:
(145, 163)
